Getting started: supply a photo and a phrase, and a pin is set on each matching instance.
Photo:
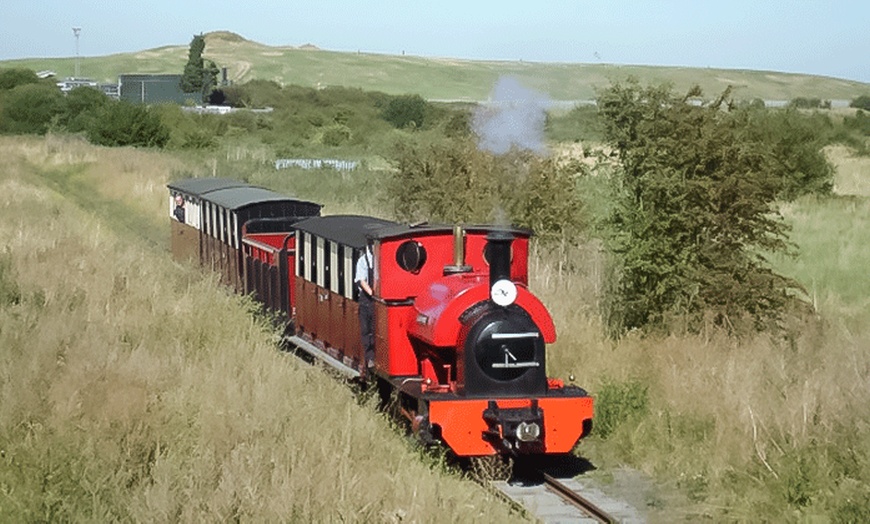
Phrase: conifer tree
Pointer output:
(192, 78)
(199, 77)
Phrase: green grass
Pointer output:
(437, 78)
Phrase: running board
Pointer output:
(316, 352)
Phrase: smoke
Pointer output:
(513, 117)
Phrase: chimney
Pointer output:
(498, 254)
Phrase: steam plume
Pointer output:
(514, 117)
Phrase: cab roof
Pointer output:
(355, 230)
(200, 186)
(230, 194)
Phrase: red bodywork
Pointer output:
(266, 248)
(404, 296)
(461, 422)
(420, 338)
(417, 330)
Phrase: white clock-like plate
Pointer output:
(503, 292)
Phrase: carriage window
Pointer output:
(347, 271)
(411, 256)
(338, 272)
(305, 262)
(300, 253)
(321, 262)
(208, 210)
(312, 259)
(332, 266)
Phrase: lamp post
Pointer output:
(76, 32)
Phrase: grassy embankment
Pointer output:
(438, 78)
(135, 388)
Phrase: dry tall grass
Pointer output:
(853, 172)
(137, 389)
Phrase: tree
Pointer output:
(695, 212)
(197, 78)
(30, 108)
(191, 79)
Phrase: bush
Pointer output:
(695, 209)
(236, 96)
(406, 111)
(126, 124)
(453, 181)
(30, 108)
(809, 103)
(860, 122)
(335, 135)
(14, 77)
(80, 107)
(792, 142)
(862, 102)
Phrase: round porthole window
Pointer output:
(411, 256)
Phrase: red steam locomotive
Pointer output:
(458, 336)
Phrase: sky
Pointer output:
(828, 38)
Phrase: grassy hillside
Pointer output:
(438, 78)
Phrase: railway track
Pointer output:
(555, 500)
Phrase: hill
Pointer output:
(438, 78)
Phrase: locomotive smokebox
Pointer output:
(498, 254)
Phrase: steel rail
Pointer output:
(577, 500)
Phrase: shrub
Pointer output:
(792, 143)
(29, 108)
(862, 102)
(126, 124)
(335, 135)
(453, 181)
(16, 76)
(695, 210)
(860, 122)
(236, 96)
(79, 108)
(405, 111)
(809, 103)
